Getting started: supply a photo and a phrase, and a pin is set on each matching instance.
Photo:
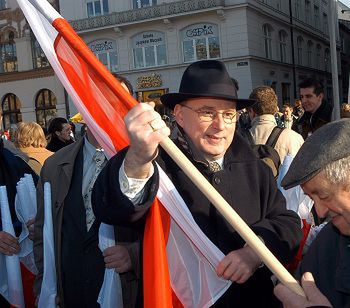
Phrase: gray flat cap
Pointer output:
(329, 143)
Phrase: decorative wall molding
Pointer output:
(32, 74)
(146, 13)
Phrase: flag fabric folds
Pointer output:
(47, 297)
(10, 278)
(103, 102)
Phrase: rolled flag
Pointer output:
(10, 272)
(25, 206)
(47, 297)
(111, 291)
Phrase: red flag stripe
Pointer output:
(108, 102)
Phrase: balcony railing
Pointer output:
(151, 12)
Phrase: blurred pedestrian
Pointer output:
(30, 139)
(59, 134)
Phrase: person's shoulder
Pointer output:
(293, 135)
(67, 153)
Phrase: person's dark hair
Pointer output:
(312, 83)
(266, 100)
(125, 81)
(289, 105)
(56, 125)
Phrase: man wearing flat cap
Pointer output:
(322, 168)
(205, 110)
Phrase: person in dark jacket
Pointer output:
(59, 134)
(12, 168)
(322, 168)
(206, 117)
(317, 113)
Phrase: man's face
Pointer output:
(212, 138)
(64, 134)
(287, 112)
(309, 100)
(330, 199)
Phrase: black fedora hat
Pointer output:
(207, 78)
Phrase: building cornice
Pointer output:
(134, 16)
(32, 74)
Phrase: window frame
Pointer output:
(310, 46)
(108, 53)
(11, 65)
(300, 43)
(267, 35)
(137, 4)
(11, 113)
(103, 5)
(283, 45)
(196, 39)
(144, 49)
(45, 107)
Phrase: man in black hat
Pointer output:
(205, 110)
(322, 168)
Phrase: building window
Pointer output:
(97, 8)
(200, 41)
(106, 51)
(307, 11)
(149, 49)
(2, 4)
(279, 5)
(325, 23)
(267, 31)
(297, 8)
(45, 107)
(327, 58)
(316, 16)
(300, 42)
(283, 45)
(11, 110)
(318, 56)
(39, 58)
(8, 54)
(143, 3)
(309, 53)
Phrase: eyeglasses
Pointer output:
(208, 115)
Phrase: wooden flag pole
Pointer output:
(232, 217)
(198, 179)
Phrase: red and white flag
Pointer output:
(179, 260)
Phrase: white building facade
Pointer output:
(151, 42)
(29, 89)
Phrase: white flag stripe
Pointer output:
(10, 276)
(47, 297)
(111, 291)
(192, 257)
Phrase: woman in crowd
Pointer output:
(59, 134)
(30, 139)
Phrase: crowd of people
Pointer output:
(231, 142)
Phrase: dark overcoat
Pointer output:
(63, 171)
(248, 186)
(328, 259)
